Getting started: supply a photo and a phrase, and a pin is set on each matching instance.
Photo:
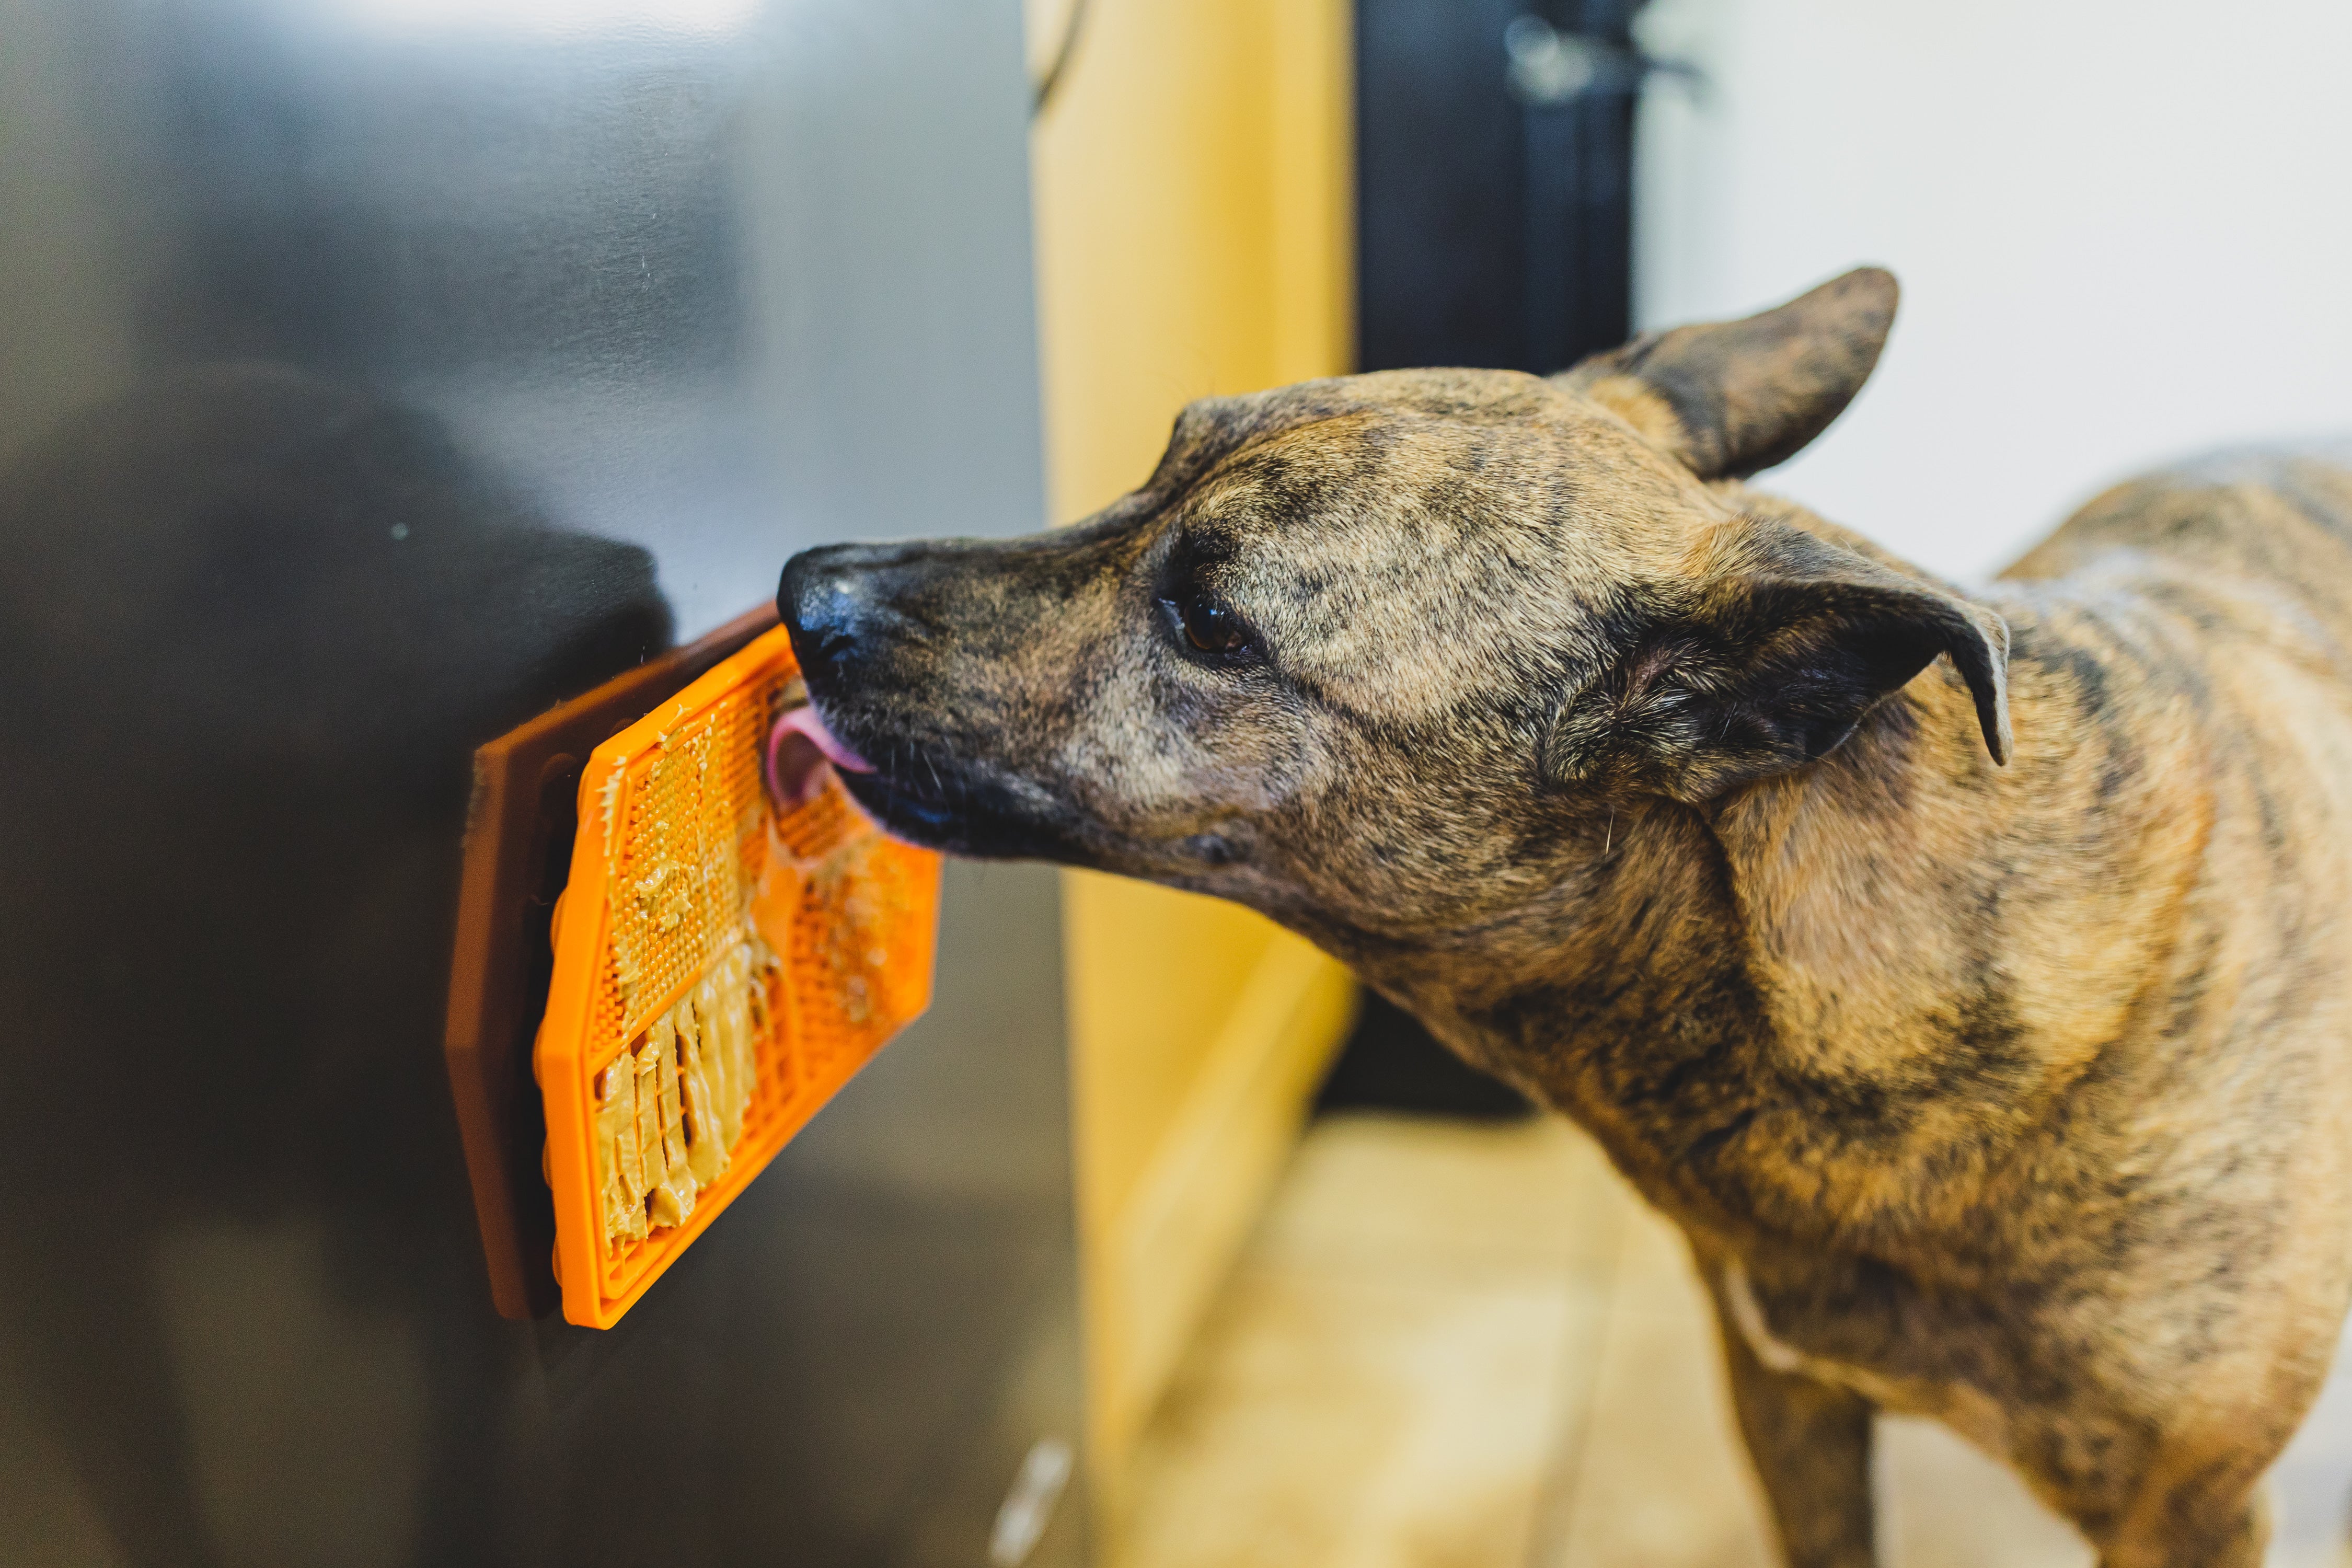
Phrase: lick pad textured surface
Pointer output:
(720, 971)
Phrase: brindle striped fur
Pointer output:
(2019, 1096)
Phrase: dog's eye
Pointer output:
(1208, 625)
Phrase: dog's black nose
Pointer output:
(834, 600)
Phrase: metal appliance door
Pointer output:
(373, 373)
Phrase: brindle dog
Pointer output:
(1968, 973)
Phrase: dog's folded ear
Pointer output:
(1730, 398)
(1765, 661)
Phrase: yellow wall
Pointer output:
(1193, 182)
(1192, 188)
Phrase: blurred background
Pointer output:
(373, 372)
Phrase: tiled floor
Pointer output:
(1454, 1345)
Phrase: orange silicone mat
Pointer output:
(678, 857)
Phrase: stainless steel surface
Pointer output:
(372, 373)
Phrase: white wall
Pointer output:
(2123, 232)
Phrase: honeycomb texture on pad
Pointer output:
(720, 972)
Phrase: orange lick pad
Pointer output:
(720, 970)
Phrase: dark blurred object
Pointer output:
(1495, 180)
(1389, 1062)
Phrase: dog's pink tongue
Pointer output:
(799, 751)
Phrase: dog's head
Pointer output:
(1380, 654)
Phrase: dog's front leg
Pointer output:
(1809, 1442)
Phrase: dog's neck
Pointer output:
(1794, 1014)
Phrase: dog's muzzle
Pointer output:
(872, 626)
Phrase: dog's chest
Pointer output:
(1900, 1350)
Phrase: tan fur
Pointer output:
(2012, 1095)
(1650, 414)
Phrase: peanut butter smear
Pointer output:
(669, 1108)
